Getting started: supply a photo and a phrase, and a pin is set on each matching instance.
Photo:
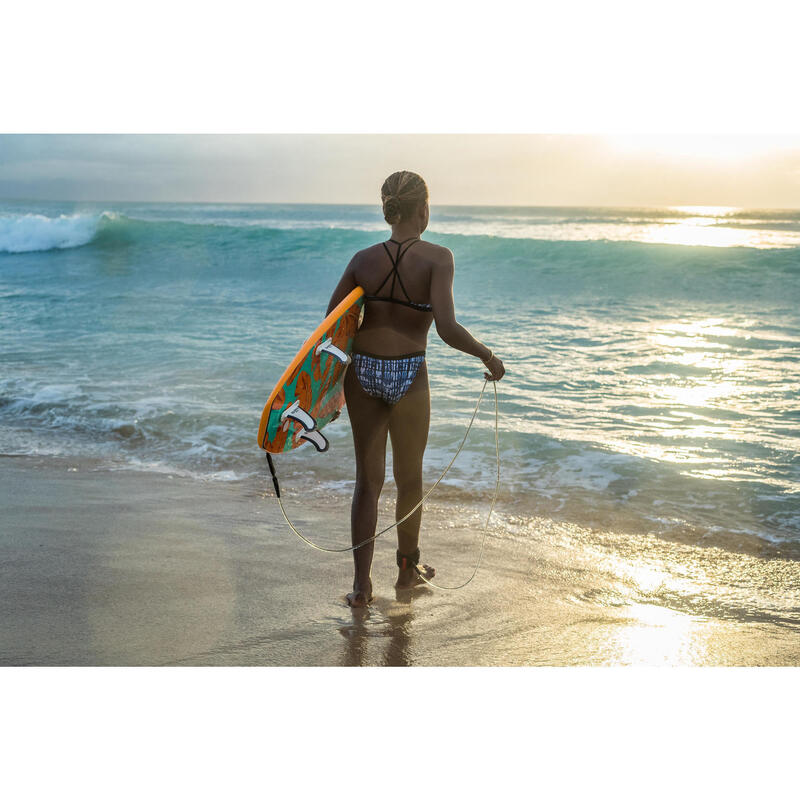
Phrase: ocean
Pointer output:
(652, 355)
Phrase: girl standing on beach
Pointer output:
(386, 387)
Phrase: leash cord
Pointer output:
(418, 505)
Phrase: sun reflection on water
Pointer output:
(707, 211)
(687, 376)
(711, 226)
(653, 633)
(695, 344)
(658, 636)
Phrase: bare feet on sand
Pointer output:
(361, 596)
(409, 578)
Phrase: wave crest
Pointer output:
(28, 233)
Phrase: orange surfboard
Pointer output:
(310, 393)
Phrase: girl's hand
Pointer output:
(495, 367)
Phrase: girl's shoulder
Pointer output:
(438, 255)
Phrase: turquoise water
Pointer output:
(652, 355)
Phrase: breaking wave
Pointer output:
(28, 233)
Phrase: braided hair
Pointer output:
(401, 194)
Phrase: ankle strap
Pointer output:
(404, 561)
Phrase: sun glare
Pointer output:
(712, 226)
(705, 147)
(707, 211)
(659, 636)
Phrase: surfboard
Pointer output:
(310, 393)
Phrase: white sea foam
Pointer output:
(27, 233)
(165, 468)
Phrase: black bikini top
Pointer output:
(395, 276)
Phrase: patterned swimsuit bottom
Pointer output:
(387, 377)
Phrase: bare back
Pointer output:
(391, 329)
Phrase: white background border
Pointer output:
(363, 67)
(700, 66)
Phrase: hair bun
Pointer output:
(391, 209)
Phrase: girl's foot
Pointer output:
(409, 578)
(361, 596)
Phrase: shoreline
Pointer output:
(107, 567)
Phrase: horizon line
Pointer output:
(377, 205)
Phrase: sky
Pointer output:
(466, 169)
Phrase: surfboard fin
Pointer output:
(329, 347)
(294, 412)
(317, 439)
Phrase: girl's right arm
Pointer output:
(448, 328)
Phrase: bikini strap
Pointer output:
(397, 271)
(393, 273)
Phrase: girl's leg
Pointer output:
(369, 418)
(408, 428)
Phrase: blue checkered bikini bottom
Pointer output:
(387, 377)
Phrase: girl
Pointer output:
(408, 285)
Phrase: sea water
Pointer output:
(652, 355)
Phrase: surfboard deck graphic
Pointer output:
(310, 393)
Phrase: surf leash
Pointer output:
(418, 505)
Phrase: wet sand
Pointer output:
(99, 567)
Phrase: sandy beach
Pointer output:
(107, 567)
